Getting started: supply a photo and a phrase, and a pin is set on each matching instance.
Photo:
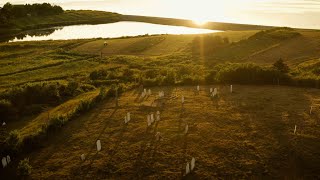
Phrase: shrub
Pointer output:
(24, 168)
(249, 74)
(56, 122)
(170, 78)
(151, 73)
(102, 93)
(13, 141)
(98, 74)
(281, 66)
(210, 77)
(7, 111)
(71, 88)
(83, 106)
(29, 99)
(187, 80)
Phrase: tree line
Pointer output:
(9, 12)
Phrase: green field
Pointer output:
(51, 91)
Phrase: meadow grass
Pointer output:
(246, 134)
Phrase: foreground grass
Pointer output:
(246, 134)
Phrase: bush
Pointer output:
(98, 74)
(13, 141)
(28, 99)
(71, 89)
(170, 78)
(249, 74)
(102, 93)
(56, 122)
(24, 168)
(7, 111)
(281, 66)
(188, 80)
(83, 106)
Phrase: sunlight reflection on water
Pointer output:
(113, 30)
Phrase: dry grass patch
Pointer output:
(246, 134)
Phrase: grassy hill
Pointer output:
(292, 45)
(246, 134)
(295, 46)
(165, 44)
(22, 62)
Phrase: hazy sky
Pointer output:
(295, 13)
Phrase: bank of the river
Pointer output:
(19, 26)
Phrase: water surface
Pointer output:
(110, 30)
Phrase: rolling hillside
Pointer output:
(265, 48)
(246, 46)
(165, 44)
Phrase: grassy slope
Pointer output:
(245, 134)
(22, 62)
(266, 50)
(170, 44)
(51, 59)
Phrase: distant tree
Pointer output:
(6, 13)
(9, 11)
(281, 66)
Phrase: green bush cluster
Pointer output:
(30, 99)
(12, 142)
(24, 168)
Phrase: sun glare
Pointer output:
(199, 22)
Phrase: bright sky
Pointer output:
(294, 13)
